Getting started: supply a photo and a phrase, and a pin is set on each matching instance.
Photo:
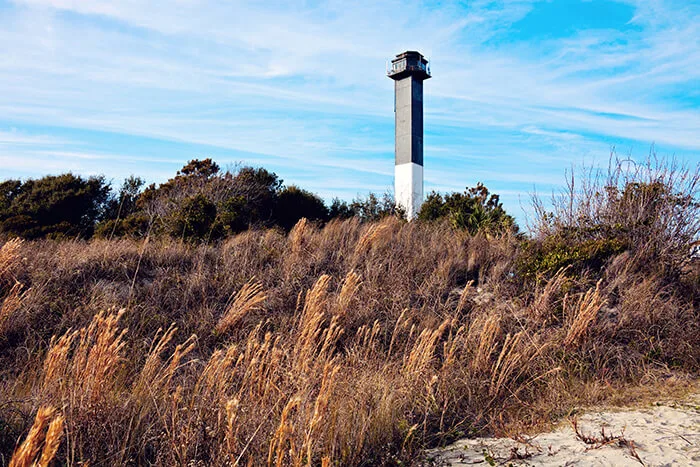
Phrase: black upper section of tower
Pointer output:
(409, 63)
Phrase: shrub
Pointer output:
(474, 210)
(135, 225)
(370, 208)
(240, 200)
(538, 260)
(232, 216)
(293, 203)
(123, 203)
(651, 208)
(57, 206)
(339, 209)
(194, 219)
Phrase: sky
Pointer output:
(521, 90)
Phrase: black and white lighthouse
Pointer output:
(409, 70)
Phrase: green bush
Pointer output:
(122, 204)
(474, 210)
(651, 209)
(135, 225)
(194, 220)
(53, 206)
(232, 217)
(371, 208)
(293, 203)
(541, 260)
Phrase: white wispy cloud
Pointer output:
(298, 86)
(15, 137)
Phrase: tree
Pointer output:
(258, 188)
(206, 168)
(121, 214)
(474, 210)
(339, 209)
(54, 206)
(123, 203)
(9, 190)
(293, 203)
(373, 208)
(240, 200)
(194, 219)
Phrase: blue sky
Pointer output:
(521, 90)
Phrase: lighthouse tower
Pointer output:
(409, 70)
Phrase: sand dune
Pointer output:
(666, 434)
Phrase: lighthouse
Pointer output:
(409, 70)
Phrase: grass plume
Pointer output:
(42, 442)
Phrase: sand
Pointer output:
(665, 434)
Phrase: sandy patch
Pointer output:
(666, 434)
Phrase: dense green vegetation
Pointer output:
(474, 210)
(203, 203)
(53, 206)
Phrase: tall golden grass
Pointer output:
(249, 298)
(42, 442)
(14, 291)
(347, 345)
(9, 257)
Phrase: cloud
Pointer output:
(299, 87)
(19, 138)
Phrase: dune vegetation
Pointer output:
(348, 342)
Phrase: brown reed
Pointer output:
(42, 442)
(248, 299)
(10, 304)
(9, 257)
(351, 285)
(583, 314)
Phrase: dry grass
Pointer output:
(249, 298)
(10, 304)
(584, 313)
(545, 300)
(9, 257)
(12, 292)
(42, 442)
(81, 365)
(347, 345)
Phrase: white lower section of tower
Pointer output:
(408, 188)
